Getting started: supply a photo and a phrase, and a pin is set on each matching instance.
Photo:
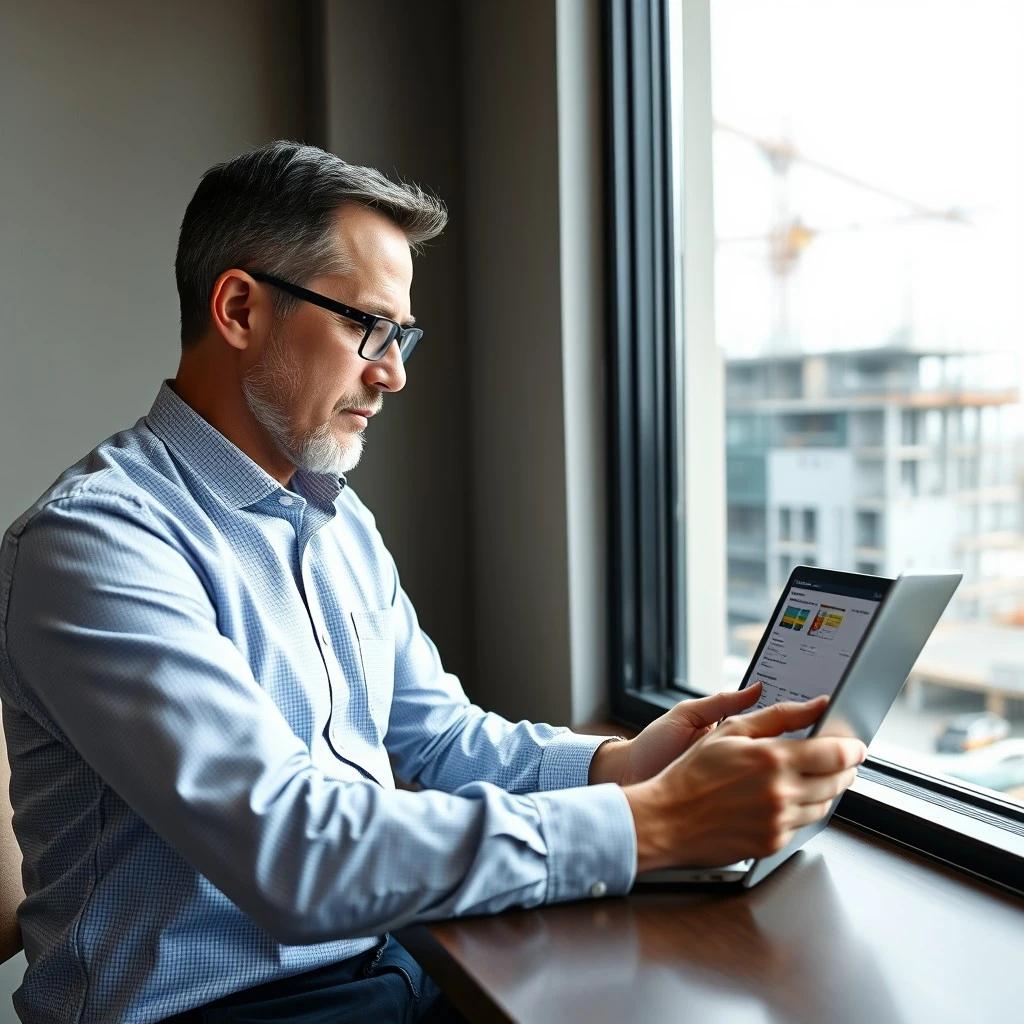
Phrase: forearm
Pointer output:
(438, 739)
(382, 859)
(471, 745)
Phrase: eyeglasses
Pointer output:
(378, 331)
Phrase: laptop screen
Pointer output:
(816, 629)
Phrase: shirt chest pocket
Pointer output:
(375, 636)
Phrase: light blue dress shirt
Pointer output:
(206, 678)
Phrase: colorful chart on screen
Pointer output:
(810, 643)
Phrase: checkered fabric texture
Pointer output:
(206, 677)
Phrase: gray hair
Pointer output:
(272, 209)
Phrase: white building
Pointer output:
(876, 461)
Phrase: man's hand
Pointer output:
(630, 761)
(741, 791)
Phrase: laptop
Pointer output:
(852, 636)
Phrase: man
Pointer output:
(207, 662)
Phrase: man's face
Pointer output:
(311, 390)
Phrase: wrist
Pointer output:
(652, 819)
(609, 762)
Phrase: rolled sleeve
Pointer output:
(565, 761)
(591, 842)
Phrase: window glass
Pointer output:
(869, 240)
(869, 528)
(785, 524)
(810, 525)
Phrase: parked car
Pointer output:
(999, 766)
(970, 732)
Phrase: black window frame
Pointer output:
(959, 825)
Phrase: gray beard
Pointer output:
(315, 451)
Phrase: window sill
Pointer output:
(948, 831)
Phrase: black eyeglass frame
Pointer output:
(407, 337)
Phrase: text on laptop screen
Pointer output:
(808, 648)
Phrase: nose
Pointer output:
(388, 372)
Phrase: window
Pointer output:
(868, 529)
(911, 422)
(810, 525)
(908, 478)
(785, 524)
(849, 289)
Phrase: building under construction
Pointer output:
(879, 461)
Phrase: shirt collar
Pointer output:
(225, 468)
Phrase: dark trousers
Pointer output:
(384, 984)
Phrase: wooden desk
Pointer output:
(849, 930)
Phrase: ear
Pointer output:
(240, 309)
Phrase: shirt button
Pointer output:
(286, 500)
(598, 889)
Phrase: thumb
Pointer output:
(707, 711)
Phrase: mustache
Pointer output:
(373, 403)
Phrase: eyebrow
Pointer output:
(380, 311)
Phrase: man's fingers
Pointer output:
(816, 790)
(807, 814)
(822, 755)
(779, 718)
(708, 710)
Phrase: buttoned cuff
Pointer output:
(591, 842)
(565, 761)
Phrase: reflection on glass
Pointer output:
(869, 230)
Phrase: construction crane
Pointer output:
(790, 236)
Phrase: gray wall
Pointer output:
(393, 103)
(531, 95)
(513, 313)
